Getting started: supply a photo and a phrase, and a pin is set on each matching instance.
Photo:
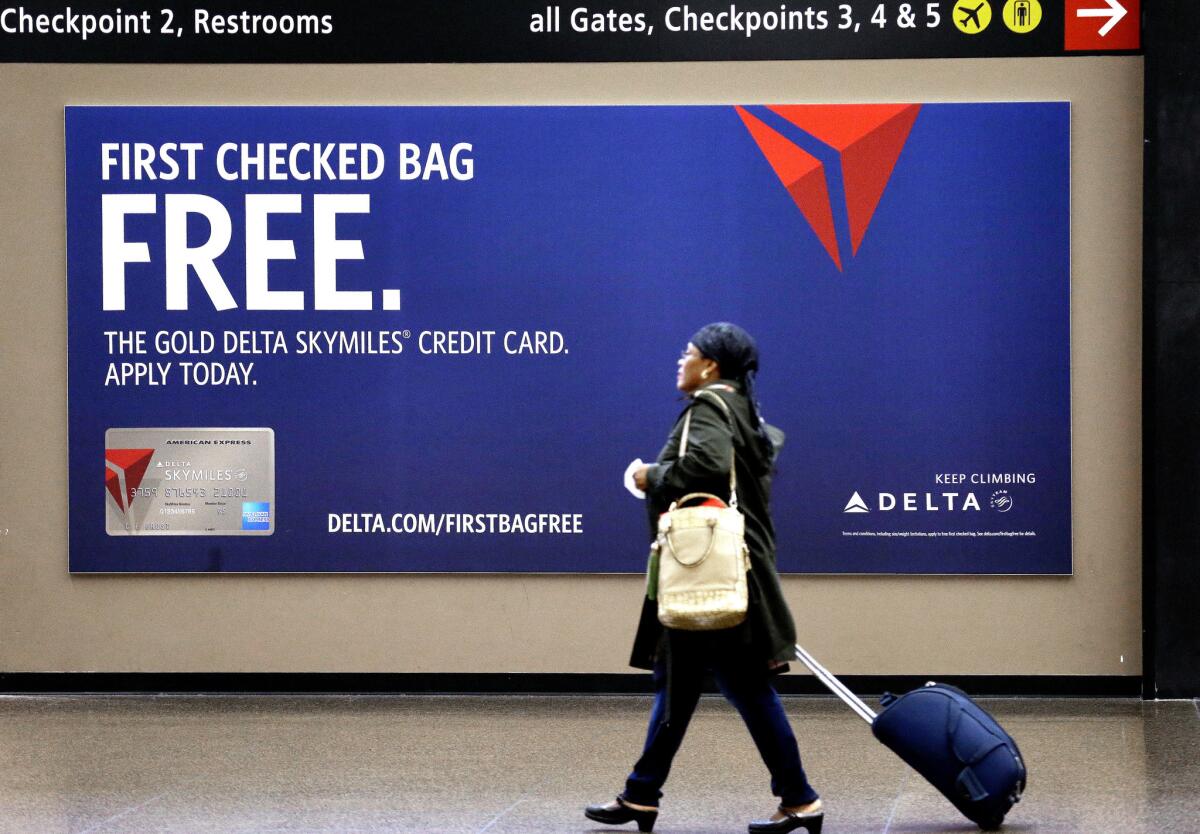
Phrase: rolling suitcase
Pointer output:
(947, 738)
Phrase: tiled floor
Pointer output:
(526, 765)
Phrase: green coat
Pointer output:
(768, 631)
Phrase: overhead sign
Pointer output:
(1103, 25)
(432, 338)
(354, 31)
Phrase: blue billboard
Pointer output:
(430, 339)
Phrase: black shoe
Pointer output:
(810, 822)
(617, 812)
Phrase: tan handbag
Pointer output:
(701, 557)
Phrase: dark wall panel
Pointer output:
(1172, 377)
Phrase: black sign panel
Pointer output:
(352, 31)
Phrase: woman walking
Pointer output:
(721, 359)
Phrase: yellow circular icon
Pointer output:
(972, 16)
(1022, 15)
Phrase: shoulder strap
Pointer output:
(687, 420)
(712, 396)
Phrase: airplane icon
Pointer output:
(972, 15)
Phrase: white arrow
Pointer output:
(1115, 14)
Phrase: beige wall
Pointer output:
(1080, 625)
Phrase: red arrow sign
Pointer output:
(1096, 25)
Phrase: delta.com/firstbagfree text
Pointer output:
(437, 524)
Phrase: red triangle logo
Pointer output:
(133, 464)
(869, 138)
(803, 175)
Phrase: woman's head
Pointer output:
(730, 347)
(695, 369)
(722, 350)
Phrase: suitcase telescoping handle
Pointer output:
(835, 686)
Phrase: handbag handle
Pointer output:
(683, 440)
(712, 539)
(692, 495)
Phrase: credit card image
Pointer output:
(189, 481)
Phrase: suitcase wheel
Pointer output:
(991, 823)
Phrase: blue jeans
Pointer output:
(747, 685)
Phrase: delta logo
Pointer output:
(913, 502)
(123, 473)
(834, 160)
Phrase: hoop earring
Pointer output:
(704, 374)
